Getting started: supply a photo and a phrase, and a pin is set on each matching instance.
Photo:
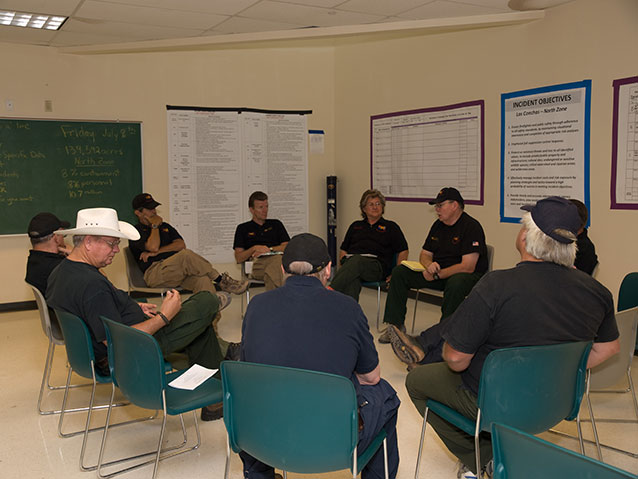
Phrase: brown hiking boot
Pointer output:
(231, 285)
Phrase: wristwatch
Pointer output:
(436, 276)
(154, 226)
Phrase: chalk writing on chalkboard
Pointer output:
(63, 166)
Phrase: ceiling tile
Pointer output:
(147, 16)
(443, 9)
(220, 7)
(52, 7)
(250, 25)
(307, 16)
(125, 32)
(382, 7)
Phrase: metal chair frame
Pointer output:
(114, 331)
(52, 331)
(82, 361)
(246, 269)
(498, 402)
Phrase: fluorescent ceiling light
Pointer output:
(31, 20)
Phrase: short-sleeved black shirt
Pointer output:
(534, 303)
(383, 239)
(271, 233)
(80, 289)
(39, 267)
(168, 234)
(449, 243)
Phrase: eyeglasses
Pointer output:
(438, 206)
(112, 244)
(376, 203)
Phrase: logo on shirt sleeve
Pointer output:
(475, 243)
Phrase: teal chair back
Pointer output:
(292, 419)
(136, 364)
(533, 388)
(628, 293)
(79, 346)
(518, 455)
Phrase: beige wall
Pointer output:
(139, 86)
(344, 85)
(586, 39)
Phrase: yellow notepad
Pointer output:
(413, 265)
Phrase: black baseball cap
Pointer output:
(144, 200)
(448, 193)
(306, 247)
(555, 213)
(43, 224)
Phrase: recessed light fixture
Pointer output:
(31, 20)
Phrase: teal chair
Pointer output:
(293, 419)
(628, 295)
(138, 370)
(518, 455)
(524, 388)
(81, 359)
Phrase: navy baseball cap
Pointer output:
(43, 224)
(555, 213)
(448, 193)
(306, 247)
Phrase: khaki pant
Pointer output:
(185, 269)
(268, 270)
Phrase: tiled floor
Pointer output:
(31, 448)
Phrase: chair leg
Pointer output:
(579, 428)
(632, 391)
(477, 449)
(355, 466)
(378, 305)
(227, 466)
(418, 457)
(416, 303)
(593, 421)
(385, 458)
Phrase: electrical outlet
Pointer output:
(48, 106)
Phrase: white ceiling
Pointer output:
(99, 22)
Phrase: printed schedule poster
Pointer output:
(544, 146)
(415, 153)
(624, 157)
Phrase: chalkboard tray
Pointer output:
(62, 166)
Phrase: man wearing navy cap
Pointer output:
(162, 255)
(455, 257)
(542, 300)
(304, 325)
(48, 249)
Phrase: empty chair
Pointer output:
(518, 455)
(522, 387)
(293, 419)
(79, 350)
(439, 293)
(137, 367)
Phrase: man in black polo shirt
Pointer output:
(454, 256)
(261, 240)
(48, 249)
(162, 255)
(369, 248)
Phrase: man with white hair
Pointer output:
(542, 300)
(76, 286)
(305, 325)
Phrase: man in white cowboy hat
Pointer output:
(76, 286)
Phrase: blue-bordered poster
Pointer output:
(544, 145)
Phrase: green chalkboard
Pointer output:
(63, 166)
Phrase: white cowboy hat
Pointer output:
(101, 222)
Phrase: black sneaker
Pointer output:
(213, 412)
